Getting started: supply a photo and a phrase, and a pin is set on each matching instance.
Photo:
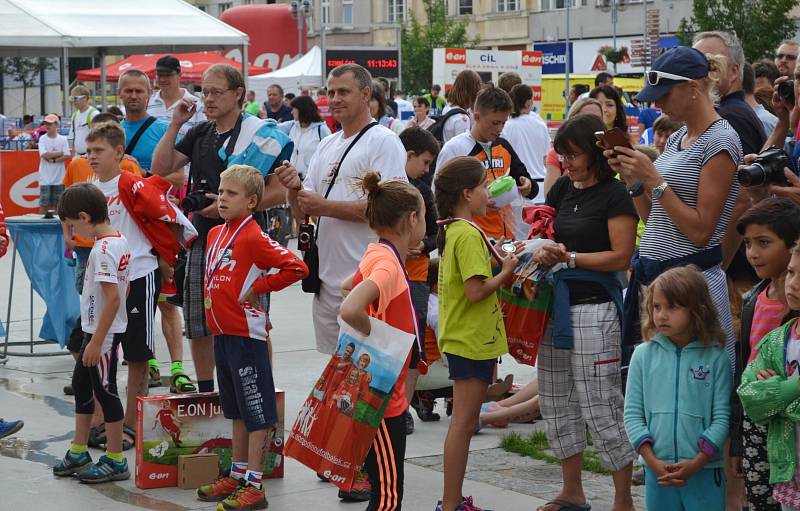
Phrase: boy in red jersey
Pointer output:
(168, 420)
(238, 259)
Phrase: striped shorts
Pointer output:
(582, 387)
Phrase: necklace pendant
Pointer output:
(576, 208)
(207, 302)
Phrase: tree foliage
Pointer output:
(26, 71)
(760, 24)
(419, 40)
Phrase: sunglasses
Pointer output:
(77, 98)
(653, 77)
(786, 56)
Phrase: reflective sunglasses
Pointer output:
(653, 77)
(78, 98)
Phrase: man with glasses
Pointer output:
(786, 57)
(228, 137)
(82, 116)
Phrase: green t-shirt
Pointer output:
(252, 108)
(470, 330)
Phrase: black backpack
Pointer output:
(437, 128)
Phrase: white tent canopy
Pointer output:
(47, 28)
(303, 72)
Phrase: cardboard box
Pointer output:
(195, 470)
(173, 425)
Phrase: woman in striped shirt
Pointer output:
(689, 192)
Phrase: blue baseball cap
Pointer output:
(675, 66)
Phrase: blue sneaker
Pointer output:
(105, 470)
(72, 464)
(465, 505)
(9, 428)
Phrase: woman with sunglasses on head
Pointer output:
(687, 196)
(580, 382)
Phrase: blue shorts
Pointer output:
(244, 376)
(465, 368)
(49, 195)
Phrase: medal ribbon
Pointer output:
(422, 366)
(489, 245)
(216, 255)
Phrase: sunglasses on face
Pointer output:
(786, 56)
(653, 77)
(77, 98)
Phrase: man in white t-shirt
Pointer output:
(53, 152)
(81, 120)
(343, 234)
(405, 109)
(170, 92)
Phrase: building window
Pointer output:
(347, 12)
(325, 11)
(507, 5)
(464, 7)
(547, 5)
(397, 10)
(224, 6)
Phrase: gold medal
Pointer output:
(207, 302)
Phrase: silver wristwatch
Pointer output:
(572, 257)
(659, 190)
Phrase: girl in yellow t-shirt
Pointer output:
(471, 330)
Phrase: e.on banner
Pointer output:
(448, 62)
(19, 182)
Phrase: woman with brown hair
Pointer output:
(462, 97)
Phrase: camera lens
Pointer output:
(751, 175)
(304, 238)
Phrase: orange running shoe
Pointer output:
(217, 491)
(245, 498)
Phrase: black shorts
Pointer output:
(465, 368)
(244, 377)
(178, 276)
(137, 341)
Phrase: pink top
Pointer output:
(767, 316)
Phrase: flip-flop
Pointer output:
(568, 506)
(491, 406)
(181, 384)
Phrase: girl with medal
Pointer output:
(380, 289)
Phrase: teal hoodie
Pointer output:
(676, 397)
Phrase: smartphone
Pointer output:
(615, 137)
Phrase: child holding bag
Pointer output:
(380, 289)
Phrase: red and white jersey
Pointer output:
(243, 263)
(108, 262)
(143, 260)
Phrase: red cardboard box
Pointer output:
(173, 425)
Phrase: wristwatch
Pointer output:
(659, 190)
(572, 257)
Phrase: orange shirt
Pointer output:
(417, 268)
(79, 171)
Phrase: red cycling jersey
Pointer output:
(239, 256)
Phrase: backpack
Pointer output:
(437, 128)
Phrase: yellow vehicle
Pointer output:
(553, 102)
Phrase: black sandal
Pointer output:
(181, 384)
(97, 436)
(127, 444)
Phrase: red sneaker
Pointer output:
(217, 491)
(245, 498)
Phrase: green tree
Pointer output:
(419, 40)
(26, 71)
(760, 24)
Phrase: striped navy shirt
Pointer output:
(681, 167)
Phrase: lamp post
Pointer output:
(300, 9)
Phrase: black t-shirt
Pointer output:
(283, 114)
(748, 126)
(201, 145)
(582, 221)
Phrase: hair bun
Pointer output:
(371, 182)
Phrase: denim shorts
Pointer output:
(465, 368)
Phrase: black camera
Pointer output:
(766, 169)
(786, 92)
(305, 237)
(196, 199)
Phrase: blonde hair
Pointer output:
(80, 90)
(249, 177)
(582, 103)
(649, 151)
(717, 64)
(685, 286)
